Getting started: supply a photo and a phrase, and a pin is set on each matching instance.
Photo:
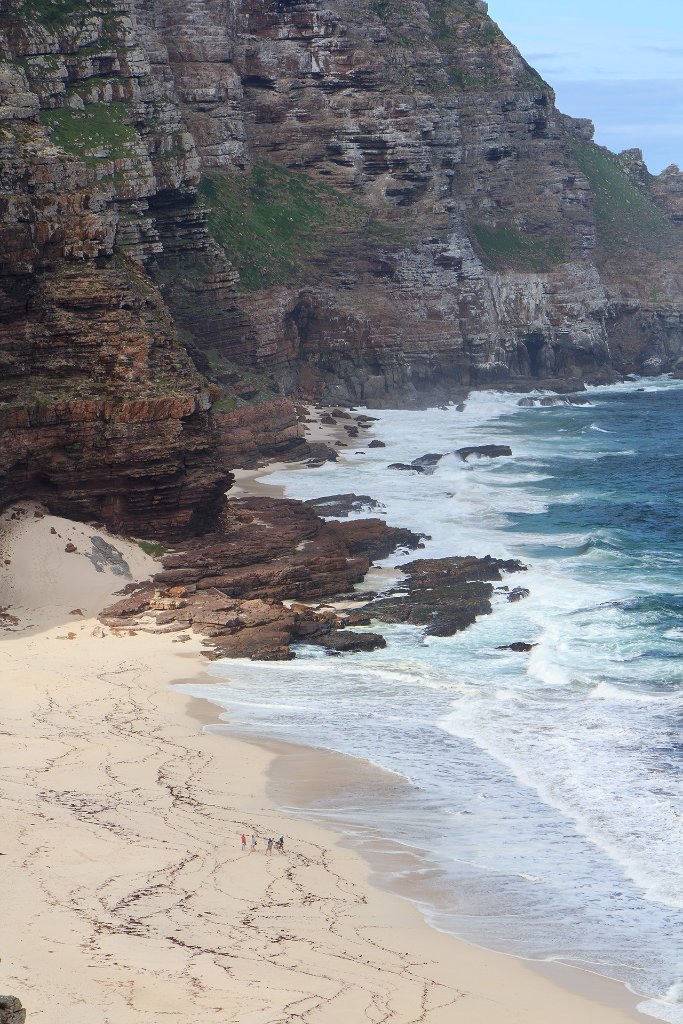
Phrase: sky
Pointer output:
(618, 62)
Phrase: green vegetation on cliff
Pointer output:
(241, 385)
(473, 45)
(507, 248)
(274, 224)
(626, 217)
(55, 14)
(96, 132)
(152, 548)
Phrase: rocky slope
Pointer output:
(208, 206)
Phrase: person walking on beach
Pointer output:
(280, 844)
(253, 844)
(269, 848)
(244, 842)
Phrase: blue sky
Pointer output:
(618, 62)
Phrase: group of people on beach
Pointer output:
(271, 844)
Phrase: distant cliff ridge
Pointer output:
(208, 205)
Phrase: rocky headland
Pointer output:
(275, 574)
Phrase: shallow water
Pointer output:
(545, 788)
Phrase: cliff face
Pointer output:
(208, 203)
(103, 413)
(405, 204)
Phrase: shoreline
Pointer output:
(288, 775)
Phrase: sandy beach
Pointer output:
(125, 891)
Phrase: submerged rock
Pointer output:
(342, 505)
(484, 451)
(428, 461)
(519, 647)
(348, 641)
(552, 400)
(407, 467)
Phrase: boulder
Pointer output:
(11, 1010)
(322, 451)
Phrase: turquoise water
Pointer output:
(546, 789)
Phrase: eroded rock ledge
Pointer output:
(243, 587)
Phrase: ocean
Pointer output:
(543, 791)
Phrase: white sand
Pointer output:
(125, 895)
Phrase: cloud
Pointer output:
(551, 64)
(545, 56)
(666, 51)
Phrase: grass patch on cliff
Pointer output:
(97, 132)
(626, 217)
(507, 248)
(152, 548)
(56, 14)
(243, 385)
(275, 224)
(475, 49)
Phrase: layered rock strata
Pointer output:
(103, 414)
(463, 231)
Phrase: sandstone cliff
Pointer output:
(211, 204)
(103, 412)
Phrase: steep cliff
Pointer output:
(459, 228)
(208, 205)
(103, 412)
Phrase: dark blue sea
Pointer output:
(545, 790)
